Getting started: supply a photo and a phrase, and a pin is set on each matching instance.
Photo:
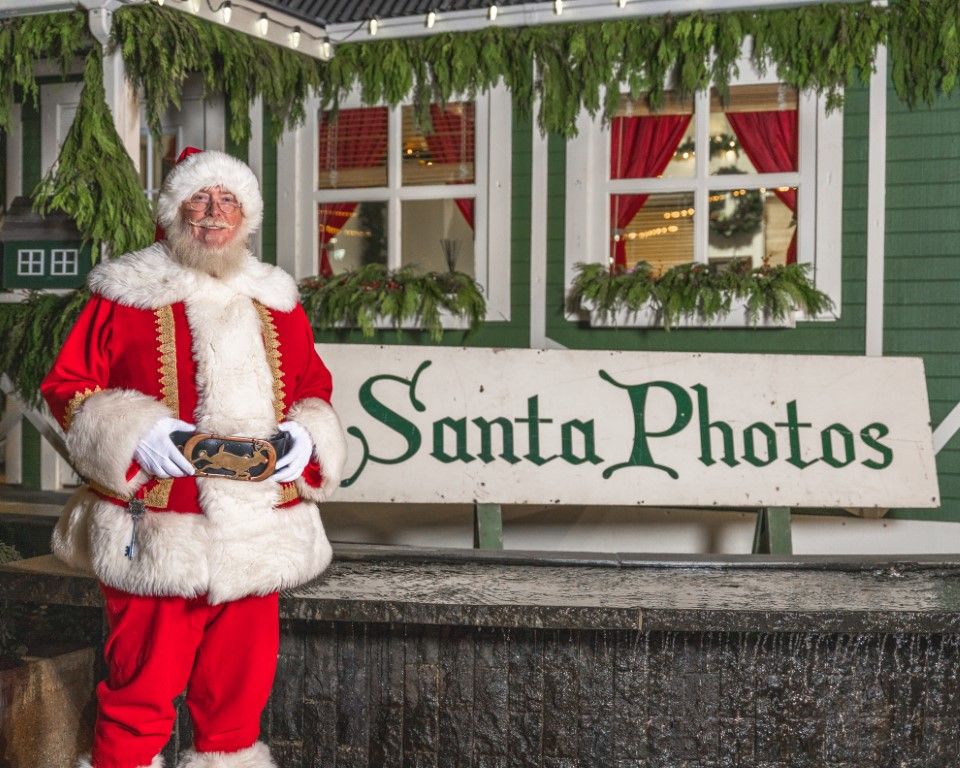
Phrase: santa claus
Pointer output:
(194, 342)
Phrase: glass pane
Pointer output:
(353, 148)
(648, 145)
(443, 151)
(351, 235)
(163, 156)
(654, 228)
(438, 235)
(756, 131)
(755, 224)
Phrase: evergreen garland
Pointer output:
(94, 179)
(359, 297)
(698, 290)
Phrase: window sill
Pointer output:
(648, 317)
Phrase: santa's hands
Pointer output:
(291, 465)
(157, 454)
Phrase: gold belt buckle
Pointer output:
(227, 457)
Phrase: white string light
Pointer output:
(492, 12)
(294, 37)
(622, 3)
(194, 6)
(226, 11)
(373, 25)
(431, 19)
(262, 25)
(325, 49)
(558, 7)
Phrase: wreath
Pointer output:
(746, 219)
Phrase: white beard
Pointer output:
(221, 262)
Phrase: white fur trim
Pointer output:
(329, 445)
(236, 550)
(210, 169)
(104, 434)
(84, 762)
(150, 278)
(256, 756)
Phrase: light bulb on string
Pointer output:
(262, 25)
(558, 7)
(492, 13)
(294, 37)
(325, 49)
(160, 3)
(194, 6)
(226, 11)
(621, 3)
(431, 19)
(373, 25)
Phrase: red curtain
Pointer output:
(770, 140)
(451, 141)
(641, 147)
(355, 138)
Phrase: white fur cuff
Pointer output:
(255, 756)
(329, 445)
(105, 432)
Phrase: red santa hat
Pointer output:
(197, 169)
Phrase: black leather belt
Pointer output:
(232, 457)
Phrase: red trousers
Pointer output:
(225, 655)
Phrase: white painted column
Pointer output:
(255, 159)
(876, 203)
(122, 97)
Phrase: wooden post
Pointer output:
(772, 535)
(487, 526)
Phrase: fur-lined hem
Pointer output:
(229, 553)
(255, 756)
(104, 434)
(329, 445)
(150, 278)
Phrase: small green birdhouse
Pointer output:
(41, 251)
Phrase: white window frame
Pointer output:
(819, 182)
(27, 260)
(69, 257)
(491, 190)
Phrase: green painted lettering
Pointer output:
(486, 440)
(826, 440)
(726, 432)
(585, 428)
(749, 447)
(533, 422)
(459, 428)
(389, 418)
(640, 455)
(871, 435)
(793, 425)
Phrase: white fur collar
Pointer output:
(150, 278)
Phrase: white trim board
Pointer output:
(876, 204)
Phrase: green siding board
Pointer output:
(29, 455)
(30, 146)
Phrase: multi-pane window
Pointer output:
(400, 188)
(64, 261)
(29, 262)
(706, 181)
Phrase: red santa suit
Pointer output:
(191, 587)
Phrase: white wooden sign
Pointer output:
(433, 424)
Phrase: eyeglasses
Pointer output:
(201, 201)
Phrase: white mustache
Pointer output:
(212, 224)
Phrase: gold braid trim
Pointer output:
(271, 343)
(159, 495)
(75, 402)
(288, 492)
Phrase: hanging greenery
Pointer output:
(358, 298)
(31, 334)
(94, 179)
(703, 291)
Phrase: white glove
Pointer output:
(157, 454)
(290, 466)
